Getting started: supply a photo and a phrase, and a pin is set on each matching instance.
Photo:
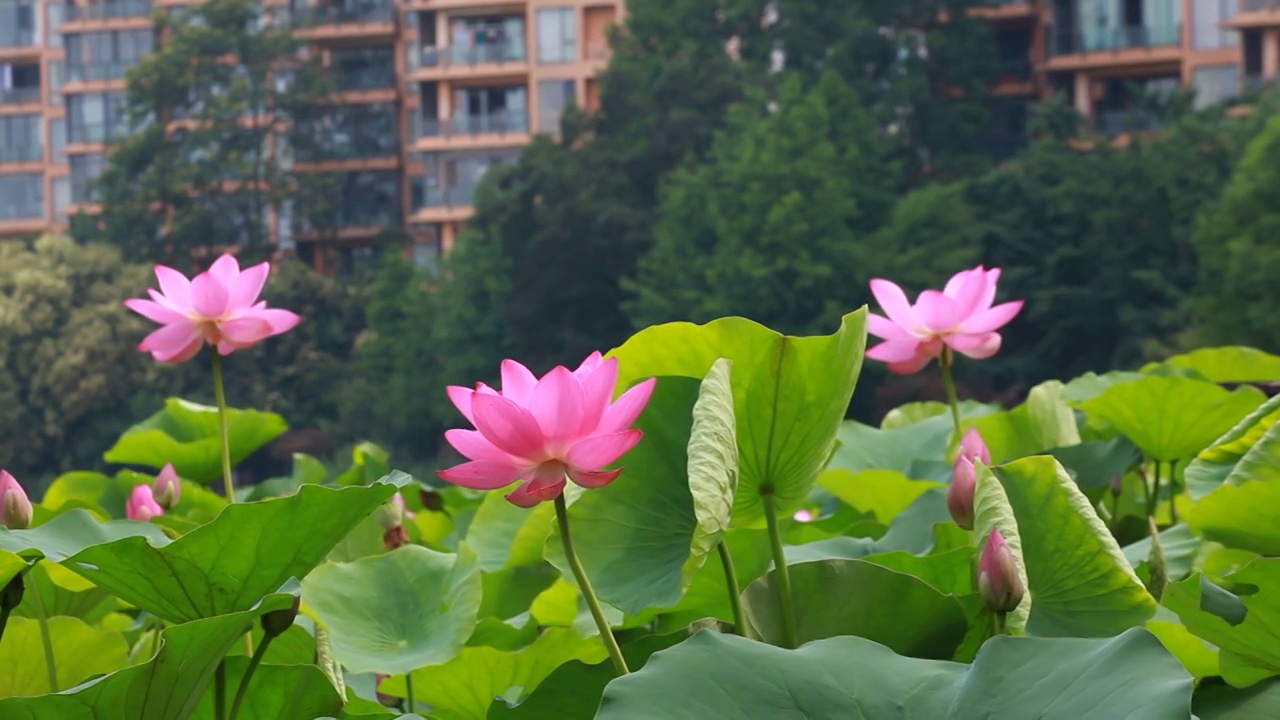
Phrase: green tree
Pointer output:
(1239, 245)
(210, 112)
(769, 226)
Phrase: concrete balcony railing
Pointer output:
(493, 123)
(326, 15)
(20, 96)
(1112, 39)
(456, 196)
(24, 154)
(350, 148)
(15, 37)
(105, 10)
(98, 71)
(98, 132)
(466, 56)
(1257, 5)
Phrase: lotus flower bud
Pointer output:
(142, 505)
(431, 500)
(960, 494)
(168, 488)
(15, 506)
(1157, 568)
(385, 699)
(277, 621)
(390, 515)
(999, 582)
(973, 447)
(1117, 485)
(398, 499)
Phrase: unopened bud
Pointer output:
(973, 447)
(167, 488)
(385, 699)
(11, 595)
(999, 581)
(390, 516)
(1117, 485)
(431, 500)
(142, 505)
(399, 501)
(15, 507)
(277, 621)
(1157, 568)
(960, 494)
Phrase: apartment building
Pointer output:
(429, 95)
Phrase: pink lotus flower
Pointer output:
(219, 307)
(15, 506)
(545, 430)
(960, 317)
(167, 488)
(999, 582)
(142, 504)
(964, 478)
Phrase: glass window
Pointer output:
(21, 196)
(57, 12)
(96, 117)
(486, 39)
(18, 27)
(553, 96)
(58, 140)
(56, 70)
(21, 138)
(1216, 83)
(106, 55)
(61, 198)
(350, 131)
(486, 110)
(557, 35)
(1208, 16)
(366, 68)
(84, 170)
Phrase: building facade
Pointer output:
(431, 94)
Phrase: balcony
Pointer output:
(503, 122)
(1106, 47)
(342, 22)
(458, 196)
(15, 37)
(23, 154)
(95, 133)
(1115, 122)
(98, 71)
(494, 59)
(354, 212)
(346, 146)
(1255, 14)
(366, 78)
(109, 10)
(20, 96)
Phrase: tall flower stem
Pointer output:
(606, 633)
(220, 691)
(228, 485)
(731, 582)
(408, 691)
(1173, 498)
(786, 603)
(45, 638)
(248, 675)
(1153, 500)
(944, 362)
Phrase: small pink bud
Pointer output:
(167, 488)
(999, 582)
(399, 501)
(15, 506)
(960, 494)
(973, 447)
(803, 516)
(385, 699)
(142, 505)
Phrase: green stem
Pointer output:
(220, 691)
(408, 691)
(731, 582)
(945, 362)
(1173, 497)
(1000, 624)
(228, 484)
(606, 634)
(248, 674)
(45, 638)
(1153, 500)
(155, 639)
(789, 632)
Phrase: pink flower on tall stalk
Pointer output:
(544, 431)
(964, 478)
(142, 504)
(219, 307)
(15, 506)
(960, 317)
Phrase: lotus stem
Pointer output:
(220, 691)
(1173, 500)
(408, 691)
(228, 484)
(1153, 500)
(731, 582)
(944, 362)
(580, 574)
(155, 638)
(45, 638)
(786, 604)
(243, 688)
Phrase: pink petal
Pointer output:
(895, 350)
(588, 479)
(461, 399)
(556, 403)
(483, 474)
(226, 269)
(937, 312)
(208, 296)
(601, 450)
(243, 289)
(597, 393)
(966, 289)
(245, 331)
(281, 321)
(912, 366)
(175, 286)
(988, 291)
(589, 365)
(886, 329)
(517, 382)
(978, 347)
(894, 302)
(972, 446)
(622, 414)
(546, 484)
(172, 339)
(508, 426)
(473, 445)
(154, 311)
(993, 319)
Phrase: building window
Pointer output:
(1208, 16)
(1215, 83)
(557, 35)
(21, 196)
(490, 110)
(84, 170)
(61, 198)
(427, 251)
(349, 131)
(553, 97)
(56, 13)
(20, 139)
(18, 26)
(58, 140)
(106, 55)
(475, 40)
(19, 84)
(367, 68)
(96, 117)
(56, 70)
